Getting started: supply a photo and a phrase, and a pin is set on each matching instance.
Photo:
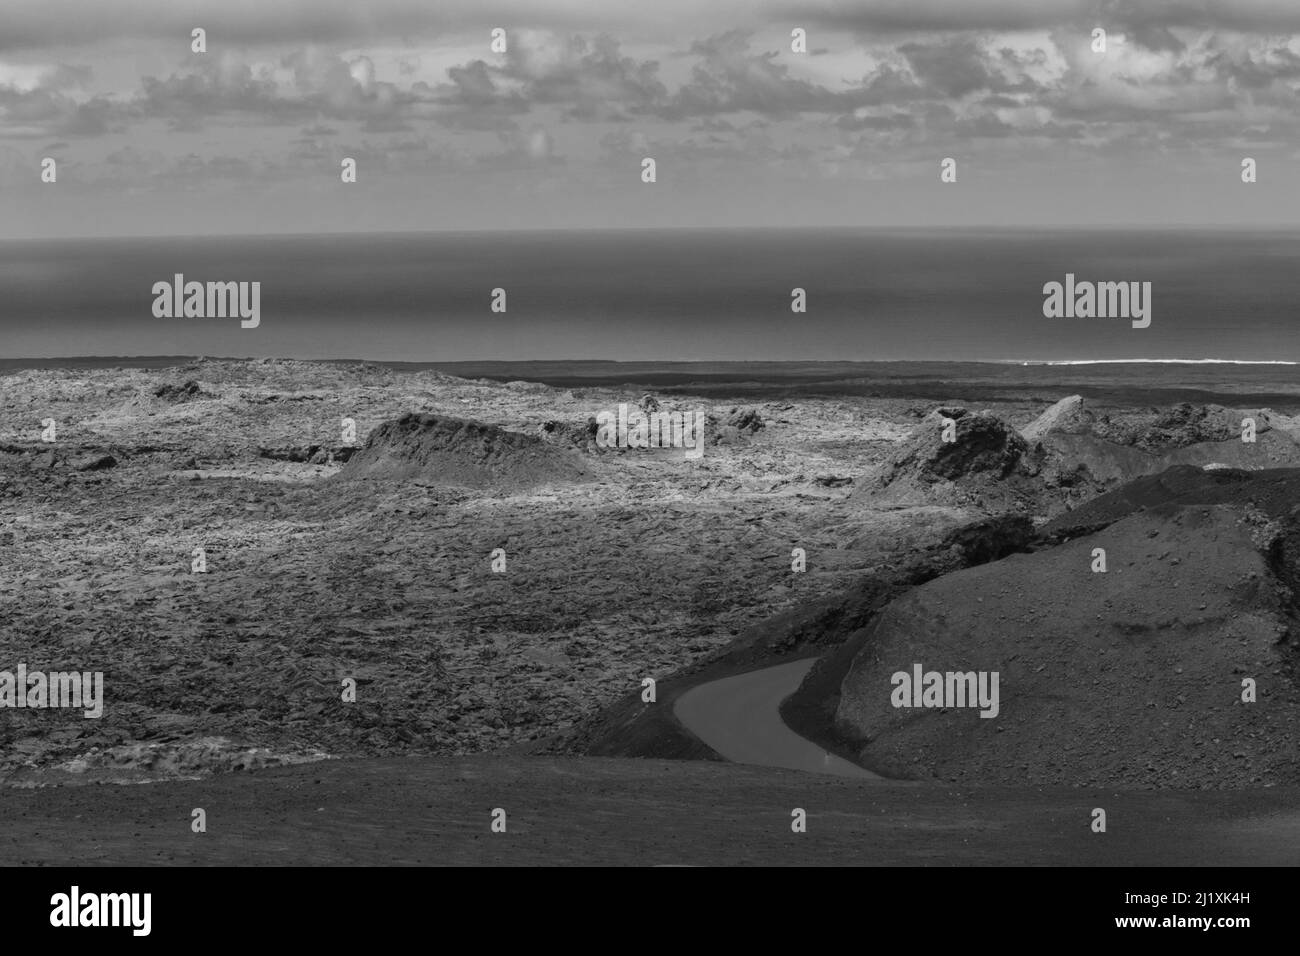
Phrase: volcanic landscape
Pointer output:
(236, 543)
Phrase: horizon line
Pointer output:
(878, 227)
(652, 361)
(1146, 361)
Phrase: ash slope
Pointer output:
(1128, 677)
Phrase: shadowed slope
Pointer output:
(1131, 676)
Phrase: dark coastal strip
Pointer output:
(1120, 384)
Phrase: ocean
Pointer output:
(652, 296)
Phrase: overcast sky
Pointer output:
(151, 138)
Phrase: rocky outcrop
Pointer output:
(738, 425)
(185, 392)
(959, 458)
(981, 445)
(571, 435)
(94, 462)
(745, 420)
(454, 451)
(1068, 416)
(1187, 424)
(1081, 450)
(309, 454)
(977, 542)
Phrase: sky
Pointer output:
(152, 138)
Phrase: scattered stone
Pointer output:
(186, 392)
(582, 437)
(310, 454)
(745, 420)
(739, 425)
(95, 463)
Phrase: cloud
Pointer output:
(592, 79)
(1270, 65)
(306, 84)
(589, 79)
(523, 149)
(36, 24)
(217, 84)
(880, 122)
(915, 91)
(877, 17)
(64, 76)
(41, 24)
(44, 110)
(958, 66)
(45, 24)
(730, 78)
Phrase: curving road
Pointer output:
(739, 717)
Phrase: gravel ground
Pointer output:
(438, 811)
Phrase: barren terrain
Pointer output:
(498, 587)
(311, 578)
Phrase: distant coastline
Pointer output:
(1137, 381)
(1149, 361)
(165, 361)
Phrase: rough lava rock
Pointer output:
(581, 437)
(740, 424)
(1068, 415)
(987, 465)
(459, 452)
(99, 462)
(1092, 454)
(185, 392)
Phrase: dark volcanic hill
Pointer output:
(1129, 676)
(1274, 491)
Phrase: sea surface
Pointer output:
(654, 296)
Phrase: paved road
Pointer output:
(739, 717)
